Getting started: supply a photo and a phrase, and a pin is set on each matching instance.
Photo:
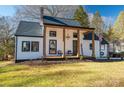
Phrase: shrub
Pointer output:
(81, 57)
(122, 54)
(1, 54)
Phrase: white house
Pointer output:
(101, 49)
(116, 47)
(57, 38)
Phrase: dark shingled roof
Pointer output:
(89, 37)
(61, 21)
(26, 28)
(104, 41)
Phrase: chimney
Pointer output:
(41, 15)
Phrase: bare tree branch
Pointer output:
(33, 12)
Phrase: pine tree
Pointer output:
(97, 23)
(82, 17)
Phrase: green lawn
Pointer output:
(70, 74)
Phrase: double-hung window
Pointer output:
(52, 46)
(34, 46)
(75, 35)
(28, 46)
(52, 33)
(25, 46)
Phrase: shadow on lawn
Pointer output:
(68, 73)
(47, 79)
(45, 63)
(108, 60)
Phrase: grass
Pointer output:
(69, 74)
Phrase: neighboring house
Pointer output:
(55, 38)
(122, 46)
(116, 47)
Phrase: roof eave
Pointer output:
(70, 26)
(28, 35)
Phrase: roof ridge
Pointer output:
(28, 21)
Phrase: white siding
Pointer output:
(59, 38)
(81, 41)
(105, 50)
(86, 48)
(88, 52)
(28, 55)
(69, 41)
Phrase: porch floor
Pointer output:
(61, 57)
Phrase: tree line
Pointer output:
(8, 25)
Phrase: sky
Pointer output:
(7, 10)
(106, 11)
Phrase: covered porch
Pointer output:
(72, 48)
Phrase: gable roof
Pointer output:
(104, 41)
(26, 28)
(62, 22)
(89, 37)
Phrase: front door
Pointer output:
(74, 47)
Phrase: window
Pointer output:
(90, 46)
(52, 34)
(52, 46)
(25, 46)
(34, 46)
(102, 47)
(74, 35)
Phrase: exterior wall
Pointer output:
(86, 48)
(105, 50)
(81, 42)
(28, 55)
(69, 41)
(59, 38)
(84, 44)
(88, 52)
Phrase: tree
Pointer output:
(119, 29)
(33, 11)
(119, 26)
(97, 23)
(6, 38)
(81, 16)
(109, 35)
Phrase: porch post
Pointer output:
(44, 42)
(64, 42)
(93, 44)
(78, 43)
